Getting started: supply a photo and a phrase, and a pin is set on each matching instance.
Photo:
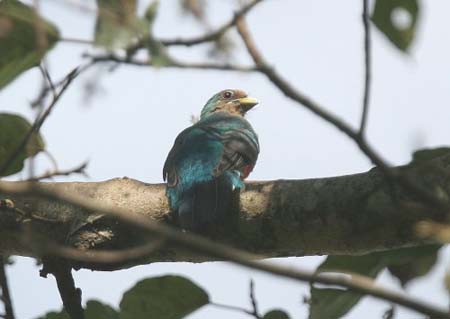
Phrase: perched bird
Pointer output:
(210, 159)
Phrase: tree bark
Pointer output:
(354, 214)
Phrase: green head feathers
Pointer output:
(235, 102)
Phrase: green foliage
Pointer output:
(327, 303)
(151, 12)
(410, 263)
(13, 129)
(97, 310)
(276, 314)
(117, 24)
(25, 37)
(405, 264)
(384, 19)
(119, 27)
(166, 297)
(156, 49)
(94, 310)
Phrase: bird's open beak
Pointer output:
(247, 103)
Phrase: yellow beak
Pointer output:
(247, 102)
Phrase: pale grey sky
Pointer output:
(128, 129)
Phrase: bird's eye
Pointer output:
(227, 94)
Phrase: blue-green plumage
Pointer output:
(209, 160)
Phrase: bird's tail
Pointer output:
(211, 205)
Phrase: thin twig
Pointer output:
(6, 296)
(367, 66)
(43, 93)
(38, 123)
(253, 300)
(80, 169)
(231, 308)
(48, 79)
(202, 246)
(77, 41)
(52, 159)
(173, 64)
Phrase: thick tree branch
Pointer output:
(353, 214)
(60, 197)
(6, 296)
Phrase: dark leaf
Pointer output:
(94, 310)
(97, 310)
(13, 129)
(397, 20)
(327, 303)
(276, 314)
(167, 297)
(367, 265)
(117, 24)
(414, 262)
(151, 12)
(330, 303)
(159, 55)
(25, 37)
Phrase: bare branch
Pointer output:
(77, 41)
(232, 308)
(43, 93)
(70, 295)
(202, 246)
(48, 79)
(38, 123)
(442, 206)
(6, 296)
(80, 169)
(173, 64)
(212, 36)
(367, 66)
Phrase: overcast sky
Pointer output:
(129, 126)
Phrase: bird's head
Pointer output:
(235, 102)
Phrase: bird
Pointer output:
(209, 161)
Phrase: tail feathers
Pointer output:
(213, 203)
